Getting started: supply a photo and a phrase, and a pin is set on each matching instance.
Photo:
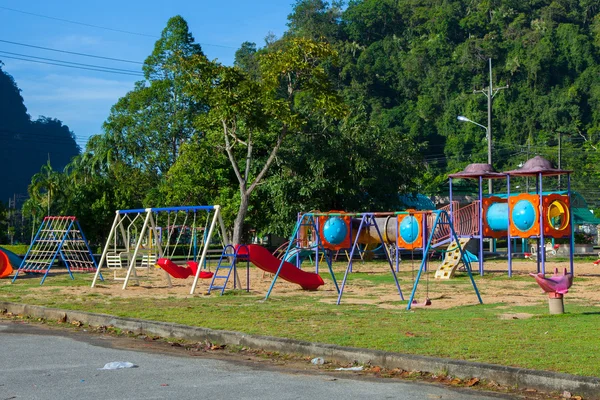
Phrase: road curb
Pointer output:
(506, 376)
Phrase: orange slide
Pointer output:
(266, 261)
(5, 267)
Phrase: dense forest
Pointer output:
(355, 104)
(27, 145)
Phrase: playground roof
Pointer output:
(537, 165)
(417, 201)
(583, 216)
(474, 171)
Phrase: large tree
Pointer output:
(147, 127)
(250, 119)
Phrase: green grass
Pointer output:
(17, 248)
(566, 343)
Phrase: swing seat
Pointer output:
(427, 302)
(193, 265)
(179, 272)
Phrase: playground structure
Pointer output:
(325, 233)
(138, 241)
(58, 237)
(534, 216)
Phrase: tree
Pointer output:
(45, 188)
(26, 145)
(249, 120)
(148, 125)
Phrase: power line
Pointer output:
(102, 27)
(71, 62)
(70, 52)
(74, 66)
(78, 23)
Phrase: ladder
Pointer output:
(227, 265)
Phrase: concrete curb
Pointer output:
(507, 376)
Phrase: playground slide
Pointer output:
(8, 262)
(177, 271)
(266, 261)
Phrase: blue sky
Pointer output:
(82, 98)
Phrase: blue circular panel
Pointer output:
(409, 229)
(497, 216)
(335, 230)
(523, 215)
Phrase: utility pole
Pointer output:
(559, 151)
(490, 92)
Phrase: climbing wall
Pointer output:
(452, 260)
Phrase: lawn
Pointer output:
(511, 329)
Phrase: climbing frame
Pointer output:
(58, 237)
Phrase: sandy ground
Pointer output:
(495, 286)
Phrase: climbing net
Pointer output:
(58, 237)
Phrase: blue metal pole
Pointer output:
(480, 225)
(421, 267)
(508, 228)
(22, 265)
(362, 221)
(56, 253)
(374, 223)
(540, 211)
(467, 262)
(572, 238)
(283, 260)
(451, 205)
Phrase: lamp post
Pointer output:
(489, 143)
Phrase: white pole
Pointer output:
(216, 217)
(110, 236)
(137, 247)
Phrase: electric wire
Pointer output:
(73, 66)
(101, 27)
(78, 23)
(70, 62)
(70, 52)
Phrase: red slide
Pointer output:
(177, 271)
(266, 261)
(5, 267)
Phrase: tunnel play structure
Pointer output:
(327, 232)
(536, 215)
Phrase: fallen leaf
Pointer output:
(455, 381)
(472, 382)
(376, 369)
(409, 334)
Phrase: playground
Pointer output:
(370, 283)
(371, 316)
(413, 281)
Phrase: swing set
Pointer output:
(137, 241)
(424, 231)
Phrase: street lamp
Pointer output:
(489, 141)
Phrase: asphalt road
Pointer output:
(38, 363)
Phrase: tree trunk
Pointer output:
(238, 225)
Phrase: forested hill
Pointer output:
(414, 66)
(25, 145)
